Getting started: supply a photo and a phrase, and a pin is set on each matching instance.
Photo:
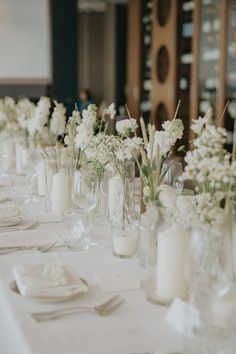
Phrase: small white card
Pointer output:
(183, 317)
(112, 282)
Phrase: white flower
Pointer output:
(58, 121)
(199, 124)
(86, 129)
(41, 115)
(110, 111)
(165, 139)
(25, 112)
(126, 126)
(71, 126)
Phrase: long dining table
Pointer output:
(137, 326)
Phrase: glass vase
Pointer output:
(155, 219)
(123, 219)
(212, 289)
(8, 154)
(100, 213)
(167, 246)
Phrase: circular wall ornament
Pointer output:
(162, 64)
(163, 11)
(161, 115)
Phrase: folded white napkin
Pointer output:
(110, 282)
(51, 280)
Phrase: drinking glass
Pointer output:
(172, 173)
(76, 233)
(85, 189)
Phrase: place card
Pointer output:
(184, 318)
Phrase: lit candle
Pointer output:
(171, 254)
(126, 244)
(61, 191)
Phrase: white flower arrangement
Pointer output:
(58, 120)
(157, 147)
(8, 116)
(71, 129)
(86, 129)
(25, 111)
(213, 170)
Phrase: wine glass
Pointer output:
(172, 175)
(85, 190)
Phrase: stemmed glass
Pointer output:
(172, 171)
(85, 190)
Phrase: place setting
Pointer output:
(56, 283)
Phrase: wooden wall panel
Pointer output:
(220, 99)
(133, 57)
(164, 36)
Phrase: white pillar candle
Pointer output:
(61, 191)
(125, 245)
(171, 256)
(42, 178)
(115, 198)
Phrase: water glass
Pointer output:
(172, 173)
(76, 233)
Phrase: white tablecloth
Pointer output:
(135, 327)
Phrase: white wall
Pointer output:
(25, 53)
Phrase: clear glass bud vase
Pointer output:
(155, 219)
(213, 288)
(100, 213)
(167, 246)
(121, 205)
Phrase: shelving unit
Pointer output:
(184, 63)
(193, 58)
(209, 53)
(230, 80)
(146, 58)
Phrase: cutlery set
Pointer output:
(103, 309)
(18, 227)
(39, 248)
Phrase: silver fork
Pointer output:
(102, 310)
(19, 228)
(41, 249)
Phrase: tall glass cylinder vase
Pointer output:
(166, 258)
(8, 153)
(121, 205)
(41, 176)
(100, 213)
(212, 289)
